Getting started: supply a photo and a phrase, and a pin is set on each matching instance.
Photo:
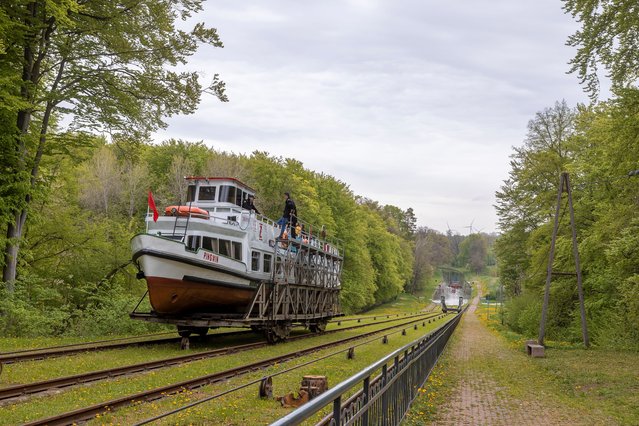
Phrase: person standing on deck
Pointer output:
(289, 213)
(248, 204)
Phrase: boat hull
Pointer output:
(183, 282)
(175, 297)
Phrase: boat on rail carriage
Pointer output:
(212, 263)
(454, 290)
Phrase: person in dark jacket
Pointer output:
(289, 214)
(249, 205)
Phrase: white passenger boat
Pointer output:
(211, 256)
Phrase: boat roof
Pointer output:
(221, 179)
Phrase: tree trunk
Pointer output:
(14, 234)
(30, 75)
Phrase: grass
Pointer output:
(432, 394)
(597, 379)
(242, 407)
(597, 385)
(404, 303)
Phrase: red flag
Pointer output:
(152, 207)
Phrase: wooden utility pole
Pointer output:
(564, 185)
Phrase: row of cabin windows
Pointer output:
(226, 248)
(266, 261)
(227, 194)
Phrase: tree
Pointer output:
(529, 192)
(101, 181)
(608, 36)
(473, 252)
(110, 65)
(432, 249)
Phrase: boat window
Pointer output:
(193, 242)
(190, 194)
(237, 251)
(227, 194)
(255, 261)
(267, 263)
(239, 197)
(225, 248)
(210, 244)
(207, 193)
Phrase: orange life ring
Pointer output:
(185, 211)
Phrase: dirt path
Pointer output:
(478, 399)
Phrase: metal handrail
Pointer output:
(334, 395)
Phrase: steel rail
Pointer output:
(41, 386)
(44, 353)
(358, 319)
(87, 413)
(52, 351)
(119, 339)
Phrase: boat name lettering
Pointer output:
(260, 232)
(210, 257)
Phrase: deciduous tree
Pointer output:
(608, 37)
(111, 66)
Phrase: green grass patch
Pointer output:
(72, 398)
(599, 381)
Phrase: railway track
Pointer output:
(55, 351)
(45, 385)
(89, 412)
(119, 343)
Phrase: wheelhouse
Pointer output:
(216, 193)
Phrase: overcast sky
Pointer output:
(411, 103)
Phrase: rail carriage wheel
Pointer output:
(278, 332)
(186, 331)
(318, 327)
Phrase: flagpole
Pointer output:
(146, 222)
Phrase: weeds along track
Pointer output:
(123, 342)
(91, 411)
(45, 385)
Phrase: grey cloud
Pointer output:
(411, 103)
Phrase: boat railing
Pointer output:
(297, 262)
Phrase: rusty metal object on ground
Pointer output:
(351, 353)
(289, 400)
(266, 387)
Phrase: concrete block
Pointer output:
(535, 350)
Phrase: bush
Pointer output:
(523, 313)
(112, 317)
(32, 310)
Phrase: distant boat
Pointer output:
(452, 288)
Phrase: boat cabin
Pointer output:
(217, 193)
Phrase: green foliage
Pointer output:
(598, 148)
(473, 252)
(432, 250)
(113, 67)
(608, 37)
(523, 313)
(35, 308)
